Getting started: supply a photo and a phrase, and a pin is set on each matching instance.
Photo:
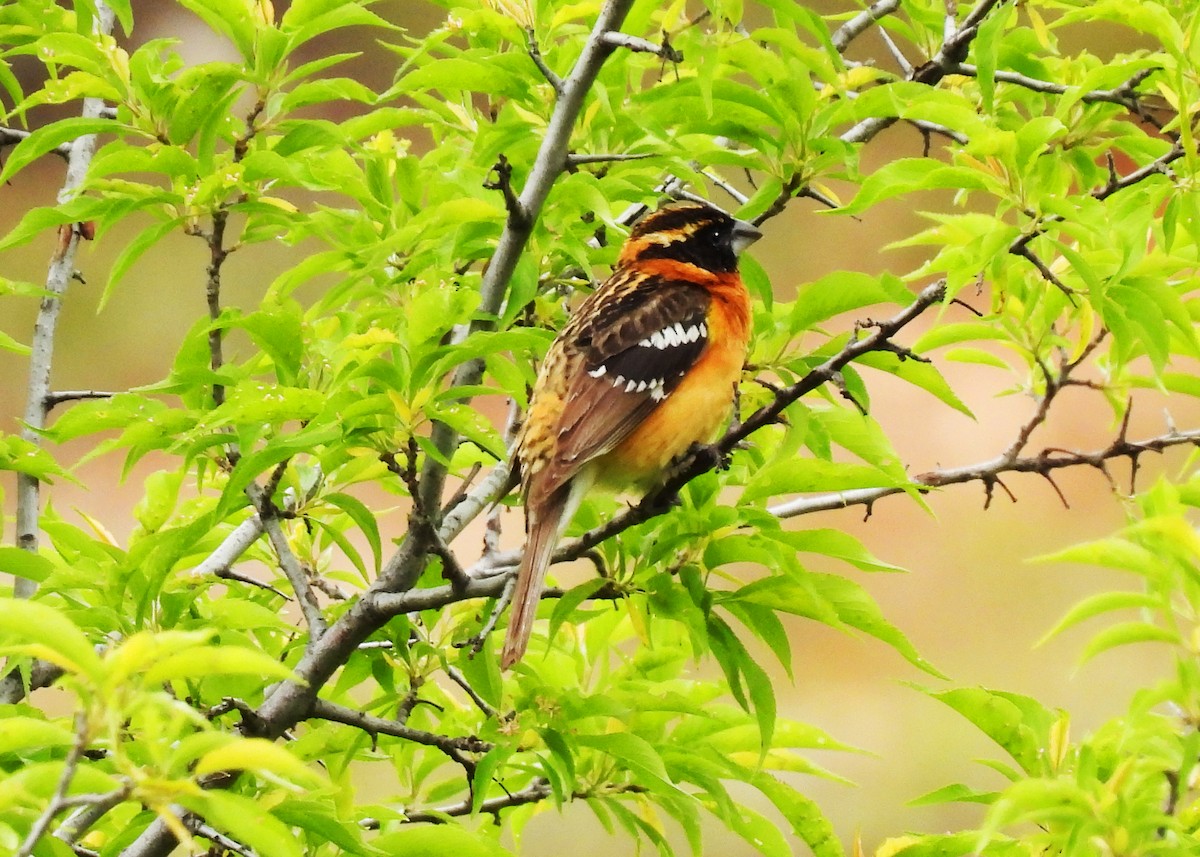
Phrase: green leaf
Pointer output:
(134, 250)
(231, 18)
(43, 632)
(49, 137)
(741, 669)
(906, 175)
(9, 344)
(760, 831)
(919, 374)
(800, 475)
(1127, 633)
(28, 733)
(1102, 602)
(636, 755)
(953, 793)
(803, 814)
(22, 563)
(320, 820)
(259, 756)
(834, 543)
(843, 291)
(986, 48)
(245, 819)
(201, 661)
(417, 840)
(22, 456)
(1019, 724)
(361, 515)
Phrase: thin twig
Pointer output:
(664, 50)
(487, 492)
(1042, 464)
(455, 675)
(323, 709)
(292, 568)
(535, 54)
(57, 800)
(1124, 95)
(575, 160)
(231, 548)
(1156, 167)
(536, 791)
(59, 396)
(90, 812)
(198, 827)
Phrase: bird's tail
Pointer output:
(545, 524)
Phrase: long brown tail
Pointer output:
(545, 523)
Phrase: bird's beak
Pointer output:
(744, 234)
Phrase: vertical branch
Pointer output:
(58, 277)
(523, 212)
(217, 254)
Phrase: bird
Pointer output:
(646, 367)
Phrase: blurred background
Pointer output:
(972, 603)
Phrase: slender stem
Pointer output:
(57, 801)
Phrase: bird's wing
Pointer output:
(636, 342)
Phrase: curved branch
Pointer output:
(856, 26)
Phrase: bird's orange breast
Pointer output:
(696, 409)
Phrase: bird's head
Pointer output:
(690, 232)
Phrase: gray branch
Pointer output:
(549, 164)
(12, 136)
(988, 471)
(325, 710)
(89, 812)
(41, 356)
(292, 568)
(856, 26)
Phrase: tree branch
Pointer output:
(12, 136)
(535, 54)
(41, 356)
(536, 791)
(292, 568)
(1156, 167)
(645, 46)
(1124, 95)
(986, 472)
(58, 800)
(41, 674)
(551, 160)
(96, 807)
(951, 54)
(856, 26)
(323, 709)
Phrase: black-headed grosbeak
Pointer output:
(645, 368)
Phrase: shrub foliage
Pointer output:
(297, 600)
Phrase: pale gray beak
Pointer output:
(744, 234)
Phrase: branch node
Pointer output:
(518, 217)
(535, 54)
